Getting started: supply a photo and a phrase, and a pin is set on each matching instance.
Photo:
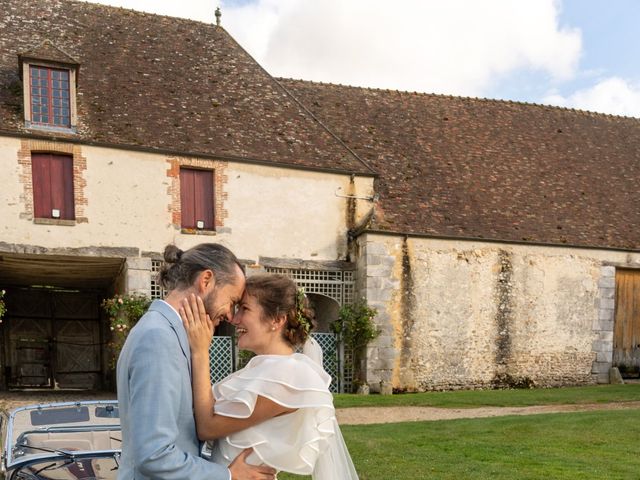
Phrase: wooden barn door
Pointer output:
(53, 339)
(76, 333)
(626, 335)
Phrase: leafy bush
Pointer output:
(124, 312)
(356, 327)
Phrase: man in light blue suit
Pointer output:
(154, 373)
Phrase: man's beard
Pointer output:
(210, 307)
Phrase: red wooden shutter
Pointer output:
(52, 185)
(41, 175)
(187, 202)
(196, 198)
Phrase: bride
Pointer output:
(279, 404)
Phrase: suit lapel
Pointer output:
(175, 322)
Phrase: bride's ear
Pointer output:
(280, 321)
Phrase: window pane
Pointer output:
(50, 87)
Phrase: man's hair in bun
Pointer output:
(183, 267)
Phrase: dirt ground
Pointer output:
(369, 415)
(347, 416)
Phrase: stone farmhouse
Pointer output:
(499, 241)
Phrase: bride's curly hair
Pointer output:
(278, 294)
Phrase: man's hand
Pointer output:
(241, 470)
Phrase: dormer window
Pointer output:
(50, 96)
(49, 77)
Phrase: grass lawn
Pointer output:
(600, 445)
(497, 398)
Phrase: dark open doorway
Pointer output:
(54, 332)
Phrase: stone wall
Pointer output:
(457, 314)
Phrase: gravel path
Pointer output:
(370, 415)
(348, 416)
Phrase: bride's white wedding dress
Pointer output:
(305, 442)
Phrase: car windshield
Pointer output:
(63, 431)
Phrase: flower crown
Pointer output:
(303, 321)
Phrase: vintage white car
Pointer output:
(62, 441)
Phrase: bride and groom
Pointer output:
(276, 414)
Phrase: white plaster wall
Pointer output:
(444, 316)
(11, 191)
(274, 212)
(127, 200)
(277, 212)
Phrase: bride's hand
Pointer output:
(197, 323)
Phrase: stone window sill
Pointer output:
(54, 221)
(195, 231)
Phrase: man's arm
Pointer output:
(155, 373)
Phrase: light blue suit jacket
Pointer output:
(156, 403)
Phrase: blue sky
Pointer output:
(572, 53)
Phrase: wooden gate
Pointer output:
(626, 336)
(53, 339)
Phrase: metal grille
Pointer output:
(349, 282)
(347, 370)
(220, 358)
(329, 344)
(156, 288)
(338, 285)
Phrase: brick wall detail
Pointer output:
(79, 167)
(220, 179)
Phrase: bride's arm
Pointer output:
(210, 425)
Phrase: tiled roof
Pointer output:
(474, 168)
(162, 83)
(48, 51)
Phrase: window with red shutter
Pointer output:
(196, 199)
(52, 186)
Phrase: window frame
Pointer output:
(28, 101)
(208, 200)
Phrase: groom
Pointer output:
(154, 373)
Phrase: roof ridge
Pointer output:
(590, 113)
(93, 3)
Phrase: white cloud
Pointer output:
(454, 46)
(612, 95)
